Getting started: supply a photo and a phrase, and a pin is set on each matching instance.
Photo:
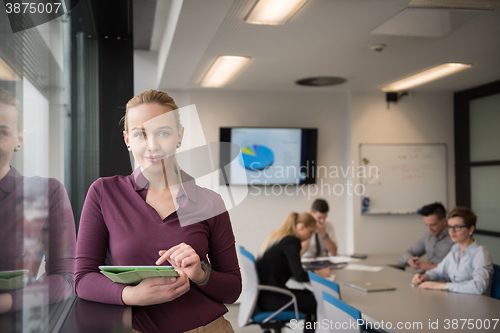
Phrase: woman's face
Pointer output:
(304, 233)
(462, 235)
(10, 137)
(152, 135)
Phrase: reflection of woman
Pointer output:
(279, 260)
(37, 223)
(467, 268)
(138, 221)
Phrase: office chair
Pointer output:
(249, 311)
(341, 315)
(495, 283)
(319, 285)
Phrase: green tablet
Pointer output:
(135, 274)
(10, 280)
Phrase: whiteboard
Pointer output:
(401, 178)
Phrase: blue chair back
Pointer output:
(249, 312)
(319, 285)
(250, 291)
(341, 315)
(495, 282)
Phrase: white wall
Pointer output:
(257, 216)
(344, 121)
(420, 118)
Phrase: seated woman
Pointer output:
(279, 260)
(467, 268)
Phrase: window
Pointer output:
(477, 160)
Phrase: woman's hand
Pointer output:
(156, 290)
(426, 266)
(183, 258)
(419, 278)
(432, 285)
(6, 302)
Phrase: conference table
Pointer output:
(410, 309)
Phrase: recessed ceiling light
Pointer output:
(426, 76)
(321, 81)
(223, 70)
(273, 12)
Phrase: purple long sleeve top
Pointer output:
(36, 222)
(116, 217)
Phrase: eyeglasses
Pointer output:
(456, 227)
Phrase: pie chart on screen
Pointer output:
(256, 157)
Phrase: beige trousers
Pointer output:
(219, 325)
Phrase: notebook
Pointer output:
(369, 286)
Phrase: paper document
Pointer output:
(355, 267)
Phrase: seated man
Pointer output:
(436, 243)
(323, 239)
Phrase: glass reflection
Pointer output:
(37, 233)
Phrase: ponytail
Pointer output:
(288, 228)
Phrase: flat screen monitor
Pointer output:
(268, 156)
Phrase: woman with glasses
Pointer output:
(467, 268)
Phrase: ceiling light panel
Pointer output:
(223, 70)
(274, 12)
(426, 76)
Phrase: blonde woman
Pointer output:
(279, 260)
(137, 219)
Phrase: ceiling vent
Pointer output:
(428, 21)
(484, 4)
(321, 81)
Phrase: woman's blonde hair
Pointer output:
(9, 99)
(152, 96)
(288, 228)
(161, 98)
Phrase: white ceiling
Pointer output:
(325, 38)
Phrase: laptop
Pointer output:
(369, 286)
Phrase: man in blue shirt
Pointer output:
(436, 243)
